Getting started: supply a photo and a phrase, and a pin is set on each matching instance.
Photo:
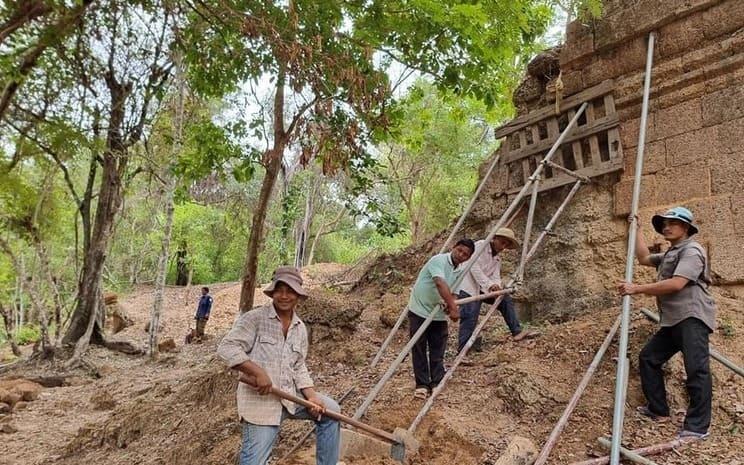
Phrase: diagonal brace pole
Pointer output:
(563, 421)
(528, 230)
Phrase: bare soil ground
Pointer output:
(180, 409)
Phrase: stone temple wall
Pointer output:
(694, 148)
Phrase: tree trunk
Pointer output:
(256, 237)
(8, 322)
(109, 201)
(162, 271)
(320, 232)
(81, 345)
(169, 208)
(273, 162)
(304, 230)
(182, 266)
(110, 198)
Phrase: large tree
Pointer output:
(87, 103)
(326, 61)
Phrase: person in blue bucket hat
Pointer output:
(688, 316)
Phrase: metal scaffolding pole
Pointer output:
(650, 450)
(622, 364)
(507, 214)
(629, 454)
(440, 387)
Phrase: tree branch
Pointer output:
(57, 30)
(55, 156)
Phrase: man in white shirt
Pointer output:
(485, 276)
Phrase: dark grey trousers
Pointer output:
(689, 336)
(428, 369)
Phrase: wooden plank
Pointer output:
(535, 134)
(613, 143)
(522, 140)
(576, 150)
(526, 170)
(602, 124)
(567, 103)
(576, 146)
(594, 150)
(553, 134)
(560, 179)
(609, 104)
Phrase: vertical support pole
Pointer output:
(622, 364)
(504, 217)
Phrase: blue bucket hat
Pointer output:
(677, 213)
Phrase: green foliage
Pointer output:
(727, 329)
(209, 147)
(587, 9)
(471, 48)
(431, 162)
(28, 334)
(350, 246)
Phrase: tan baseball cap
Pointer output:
(290, 276)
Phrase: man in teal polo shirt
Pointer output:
(435, 284)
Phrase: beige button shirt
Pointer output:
(257, 336)
(485, 272)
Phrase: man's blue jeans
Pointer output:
(470, 312)
(258, 440)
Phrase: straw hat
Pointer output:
(508, 234)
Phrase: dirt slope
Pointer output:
(180, 409)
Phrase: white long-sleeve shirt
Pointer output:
(485, 272)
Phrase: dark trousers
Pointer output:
(201, 323)
(470, 312)
(691, 337)
(428, 370)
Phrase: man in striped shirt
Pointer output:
(269, 345)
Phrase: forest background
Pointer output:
(194, 142)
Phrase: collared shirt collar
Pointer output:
(681, 243)
(452, 262)
(273, 314)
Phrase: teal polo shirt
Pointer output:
(425, 297)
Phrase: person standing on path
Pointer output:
(268, 346)
(202, 312)
(434, 285)
(688, 316)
